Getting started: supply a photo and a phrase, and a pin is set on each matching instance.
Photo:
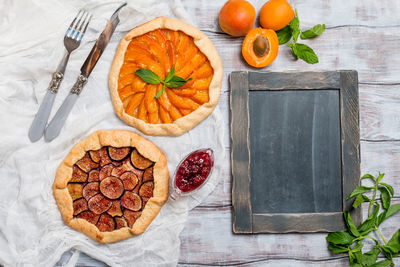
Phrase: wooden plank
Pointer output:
(350, 138)
(298, 222)
(240, 158)
(294, 80)
(207, 239)
(337, 13)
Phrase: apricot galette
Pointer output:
(173, 51)
(111, 185)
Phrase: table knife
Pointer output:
(56, 124)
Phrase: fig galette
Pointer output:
(111, 185)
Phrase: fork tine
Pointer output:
(78, 26)
(84, 30)
(73, 35)
(72, 24)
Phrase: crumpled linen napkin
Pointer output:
(32, 232)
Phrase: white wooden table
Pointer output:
(361, 35)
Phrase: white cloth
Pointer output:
(32, 232)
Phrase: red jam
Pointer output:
(194, 170)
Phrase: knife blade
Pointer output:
(56, 124)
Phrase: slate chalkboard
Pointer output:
(294, 150)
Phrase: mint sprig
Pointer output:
(292, 30)
(351, 242)
(171, 81)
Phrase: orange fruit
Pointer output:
(260, 47)
(237, 17)
(276, 14)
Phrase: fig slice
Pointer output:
(120, 222)
(115, 209)
(95, 155)
(79, 206)
(130, 180)
(106, 223)
(126, 166)
(94, 176)
(144, 201)
(99, 204)
(146, 190)
(104, 158)
(148, 174)
(111, 187)
(131, 201)
(118, 153)
(86, 164)
(75, 190)
(90, 190)
(139, 161)
(106, 171)
(131, 216)
(78, 176)
(89, 216)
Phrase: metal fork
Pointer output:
(72, 39)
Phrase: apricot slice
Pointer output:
(130, 180)
(131, 201)
(146, 190)
(118, 153)
(111, 187)
(120, 222)
(78, 176)
(105, 223)
(131, 216)
(79, 206)
(201, 97)
(134, 103)
(139, 161)
(99, 204)
(89, 216)
(90, 190)
(86, 164)
(260, 47)
(94, 176)
(115, 209)
(75, 190)
(148, 174)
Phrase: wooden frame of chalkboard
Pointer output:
(242, 84)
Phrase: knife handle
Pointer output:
(39, 122)
(56, 124)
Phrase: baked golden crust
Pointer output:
(184, 123)
(113, 138)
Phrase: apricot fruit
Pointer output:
(276, 14)
(260, 47)
(237, 17)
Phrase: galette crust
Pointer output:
(189, 121)
(115, 138)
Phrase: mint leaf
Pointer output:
(350, 224)
(148, 76)
(284, 35)
(368, 176)
(159, 93)
(313, 32)
(385, 197)
(380, 177)
(360, 199)
(295, 27)
(392, 210)
(370, 257)
(170, 75)
(389, 187)
(176, 81)
(369, 225)
(304, 52)
(337, 248)
(384, 263)
(340, 238)
(394, 242)
(359, 190)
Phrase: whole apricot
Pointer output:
(276, 14)
(237, 17)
